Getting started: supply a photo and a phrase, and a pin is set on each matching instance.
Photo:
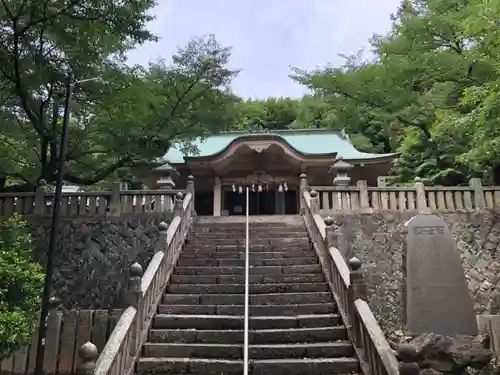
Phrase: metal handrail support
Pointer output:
(247, 287)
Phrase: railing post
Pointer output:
(88, 357)
(331, 241)
(190, 189)
(334, 236)
(114, 205)
(134, 298)
(314, 201)
(357, 280)
(134, 285)
(302, 188)
(162, 227)
(178, 204)
(331, 235)
(40, 207)
(479, 202)
(357, 289)
(382, 181)
(422, 206)
(364, 200)
(407, 355)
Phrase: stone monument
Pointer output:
(437, 298)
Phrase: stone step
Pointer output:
(295, 335)
(299, 321)
(204, 366)
(234, 227)
(290, 298)
(255, 299)
(255, 310)
(240, 288)
(268, 233)
(240, 226)
(164, 366)
(271, 270)
(254, 248)
(256, 337)
(253, 236)
(257, 270)
(202, 322)
(291, 366)
(257, 241)
(193, 350)
(292, 309)
(254, 279)
(186, 254)
(202, 261)
(301, 350)
(196, 336)
(235, 351)
(212, 322)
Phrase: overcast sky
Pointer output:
(269, 36)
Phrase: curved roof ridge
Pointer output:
(304, 141)
(267, 136)
(278, 131)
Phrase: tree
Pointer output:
(42, 40)
(21, 284)
(351, 95)
(314, 112)
(283, 113)
(423, 92)
(270, 114)
(140, 113)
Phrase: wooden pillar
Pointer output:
(217, 196)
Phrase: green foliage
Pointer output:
(431, 92)
(21, 284)
(140, 113)
(127, 117)
(270, 114)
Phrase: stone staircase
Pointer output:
(294, 325)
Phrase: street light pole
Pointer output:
(56, 206)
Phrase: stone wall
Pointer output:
(378, 240)
(93, 256)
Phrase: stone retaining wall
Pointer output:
(94, 255)
(378, 241)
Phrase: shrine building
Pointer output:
(270, 164)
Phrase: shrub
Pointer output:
(21, 285)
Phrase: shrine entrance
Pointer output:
(268, 201)
(266, 164)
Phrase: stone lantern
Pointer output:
(340, 169)
(166, 181)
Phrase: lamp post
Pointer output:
(56, 213)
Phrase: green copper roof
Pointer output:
(309, 141)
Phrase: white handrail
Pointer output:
(247, 289)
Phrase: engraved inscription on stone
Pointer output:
(428, 230)
(437, 297)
